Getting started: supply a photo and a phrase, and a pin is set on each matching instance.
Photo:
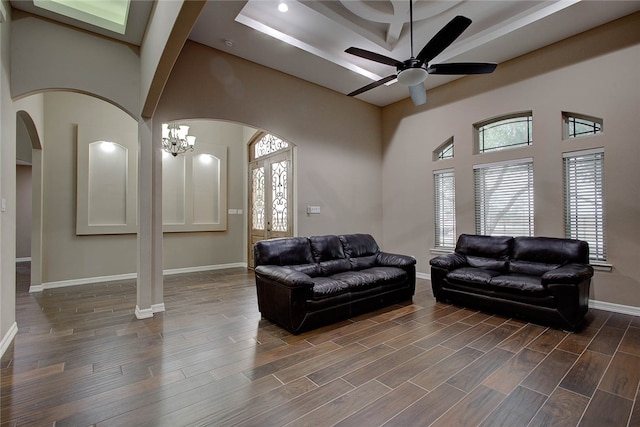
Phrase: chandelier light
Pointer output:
(175, 139)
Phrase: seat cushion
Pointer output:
(325, 287)
(356, 280)
(386, 276)
(471, 275)
(519, 284)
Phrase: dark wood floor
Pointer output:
(81, 358)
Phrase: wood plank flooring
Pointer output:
(81, 358)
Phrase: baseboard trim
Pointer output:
(616, 308)
(84, 281)
(204, 268)
(8, 338)
(599, 305)
(25, 259)
(99, 279)
(143, 313)
(157, 308)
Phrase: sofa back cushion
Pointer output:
(361, 249)
(283, 251)
(550, 250)
(357, 245)
(328, 252)
(487, 252)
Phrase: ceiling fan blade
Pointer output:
(462, 68)
(418, 94)
(443, 38)
(372, 56)
(372, 85)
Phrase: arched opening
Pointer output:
(28, 201)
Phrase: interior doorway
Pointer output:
(270, 190)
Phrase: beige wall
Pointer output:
(338, 155)
(69, 257)
(7, 186)
(23, 211)
(65, 255)
(46, 55)
(216, 247)
(594, 74)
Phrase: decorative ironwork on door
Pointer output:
(270, 174)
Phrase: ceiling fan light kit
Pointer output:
(414, 71)
(412, 76)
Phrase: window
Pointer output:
(504, 198)
(575, 125)
(445, 208)
(268, 144)
(504, 132)
(584, 199)
(444, 151)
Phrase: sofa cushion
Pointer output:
(283, 251)
(498, 247)
(498, 265)
(489, 252)
(325, 287)
(326, 248)
(550, 250)
(327, 268)
(471, 275)
(531, 268)
(387, 276)
(358, 245)
(360, 263)
(356, 280)
(309, 269)
(519, 283)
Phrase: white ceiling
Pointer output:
(308, 41)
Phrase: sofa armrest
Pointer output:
(449, 261)
(394, 260)
(286, 276)
(568, 274)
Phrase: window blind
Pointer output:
(584, 200)
(504, 198)
(445, 208)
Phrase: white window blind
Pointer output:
(504, 198)
(584, 200)
(445, 208)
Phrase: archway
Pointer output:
(29, 151)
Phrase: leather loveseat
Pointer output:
(306, 282)
(542, 279)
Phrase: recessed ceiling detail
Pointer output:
(108, 14)
(395, 13)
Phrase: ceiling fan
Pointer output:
(414, 71)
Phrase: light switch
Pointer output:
(4, 204)
(313, 209)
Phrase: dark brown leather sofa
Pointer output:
(306, 282)
(541, 279)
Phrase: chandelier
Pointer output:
(175, 139)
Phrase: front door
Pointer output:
(270, 192)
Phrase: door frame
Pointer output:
(290, 152)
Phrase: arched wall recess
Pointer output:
(107, 181)
(194, 189)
